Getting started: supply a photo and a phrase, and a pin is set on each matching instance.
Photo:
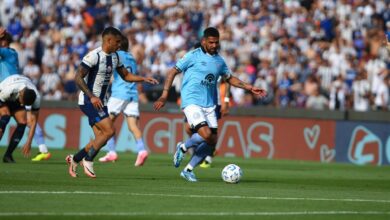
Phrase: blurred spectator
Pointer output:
(260, 41)
(382, 94)
(361, 92)
(32, 71)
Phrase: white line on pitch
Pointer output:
(193, 213)
(196, 196)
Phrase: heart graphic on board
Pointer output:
(327, 154)
(311, 136)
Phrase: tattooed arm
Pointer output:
(81, 73)
(236, 82)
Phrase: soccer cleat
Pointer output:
(205, 165)
(141, 158)
(41, 156)
(8, 159)
(72, 165)
(88, 168)
(178, 156)
(189, 176)
(109, 157)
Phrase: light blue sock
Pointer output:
(193, 141)
(38, 135)
(111, 144)
(200, 153)
(140, 145)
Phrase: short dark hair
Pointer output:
(111, 31)
(210, 32)
(7, 37)
(124, 43)
(29, 96)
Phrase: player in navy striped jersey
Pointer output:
(93, 77)
(124, 99)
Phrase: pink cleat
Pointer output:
(72, 165)
(141, 158)
(109, 157)
(88, 168)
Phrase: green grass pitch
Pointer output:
(270, 189)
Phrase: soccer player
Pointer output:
(93, 77)
(16, 92)
(124, 99)
(9, 65)
(201, 68)
(222, 109)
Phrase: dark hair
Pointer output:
(111, 31)
(7, 37)
(124, 43)
(29, 96)
(210, 32)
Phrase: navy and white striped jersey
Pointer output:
(101, 66)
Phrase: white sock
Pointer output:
(188, 168)
(183, 147)
(43, 148)
(208, 159)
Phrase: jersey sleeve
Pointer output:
(183, 63)
(5, 94)
(90, 60)
(120, 63)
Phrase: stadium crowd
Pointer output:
(317, 54)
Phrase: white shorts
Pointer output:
(196, 115)
(116, 106)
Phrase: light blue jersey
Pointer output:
(9, 62)
(200, 73)
(120, 88)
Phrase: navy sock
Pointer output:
(91, 154)
(4, 121)
(15, 139)
(79, 155)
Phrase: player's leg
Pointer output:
(203, 148)
(44, 153)
(21, 119)
(198, 122)
(142, 153)
(111, 155)
(103, 129)
(115, 106)
(209, 158)
(132, 117)
(5, 116)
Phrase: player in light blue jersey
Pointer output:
(124, 99)
(93, 77)
(201, 68)
(9, 65)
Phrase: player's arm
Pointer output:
(79, 79)
(32, 120)
(129, 77)
(167, 85)
(226, 100)
(236, 82)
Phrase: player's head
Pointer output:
(124, 43)
(6, 40)
(210, 40)
(112, 38)
(27, 96)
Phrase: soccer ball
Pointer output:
(231, 173)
